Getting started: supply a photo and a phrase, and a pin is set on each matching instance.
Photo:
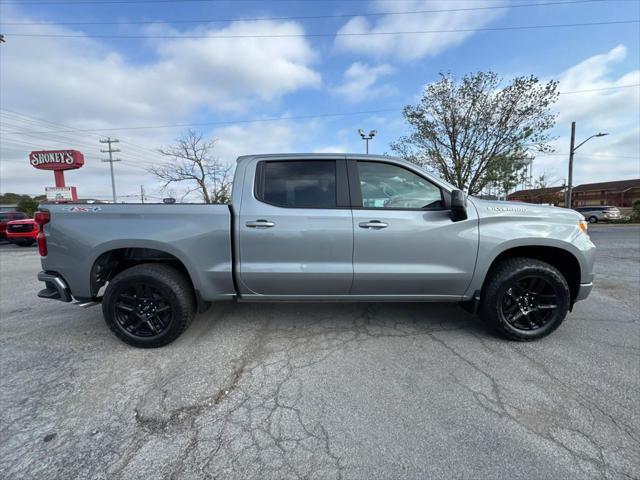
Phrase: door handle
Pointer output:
(373, 224)
(260, 224)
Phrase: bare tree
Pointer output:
(473, 132)
(191, 160)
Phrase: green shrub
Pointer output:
(635, 213)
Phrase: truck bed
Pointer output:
(198, 236)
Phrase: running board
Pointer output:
(86, 304)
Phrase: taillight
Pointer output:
(42, 218)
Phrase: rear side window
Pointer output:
(18, 216)
(4, 217)
(298, 184)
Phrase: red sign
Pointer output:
(56, 159)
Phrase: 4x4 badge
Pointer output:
(81, 209)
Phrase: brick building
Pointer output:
(551, 195)
(619, 194)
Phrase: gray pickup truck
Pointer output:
(318, 227)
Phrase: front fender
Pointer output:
(500, 234)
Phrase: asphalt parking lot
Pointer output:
(323, 391)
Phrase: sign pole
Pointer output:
(58, 176)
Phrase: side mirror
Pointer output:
(458, 205)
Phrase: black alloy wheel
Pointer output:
(149, 305)
(529, 303)
(142, 310)
(525, 298)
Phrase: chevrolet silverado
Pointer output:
(318, 227)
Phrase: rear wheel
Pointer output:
(148, 305)
(525, 299)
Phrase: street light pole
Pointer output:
(572, 151)
(368, 137)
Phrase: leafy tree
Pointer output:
(191, 160)
(28, 205)
(9, 198)
(473, 133)
(508, 173)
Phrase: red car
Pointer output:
(22, 232)
(7, 217)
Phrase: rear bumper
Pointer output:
(56, 287)
(583, 291)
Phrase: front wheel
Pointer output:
(148, 305)
(593, 219)
(525, 299)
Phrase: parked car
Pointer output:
(22, 232)
(598, 213)
(7, 217)
(318, 227)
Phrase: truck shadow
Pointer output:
(365, 319)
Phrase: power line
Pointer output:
(601, 89)
(203, 124)
(268, 119)
(67, 137)
(305, 17)
(333, 34)
(591, 155)
(133, 2)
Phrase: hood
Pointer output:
(23, 221)
(492, 208)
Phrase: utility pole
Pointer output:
(572, 151)
(142, 193)
(111, 151)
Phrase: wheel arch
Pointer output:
(111, 262)
(563, 260)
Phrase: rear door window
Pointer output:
(298, 184)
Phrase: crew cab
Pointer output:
(22, 232)
(318, 228)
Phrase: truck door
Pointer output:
(405, 242)
(295, 228)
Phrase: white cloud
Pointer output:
(600, 108)
(86, 84)
(87, 81)
(414, 46)
(360, 82)
(603, 108)
(331, 149)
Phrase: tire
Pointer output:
(521, 314)
(149, 305)
(593, 219)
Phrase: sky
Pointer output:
(264, 76)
